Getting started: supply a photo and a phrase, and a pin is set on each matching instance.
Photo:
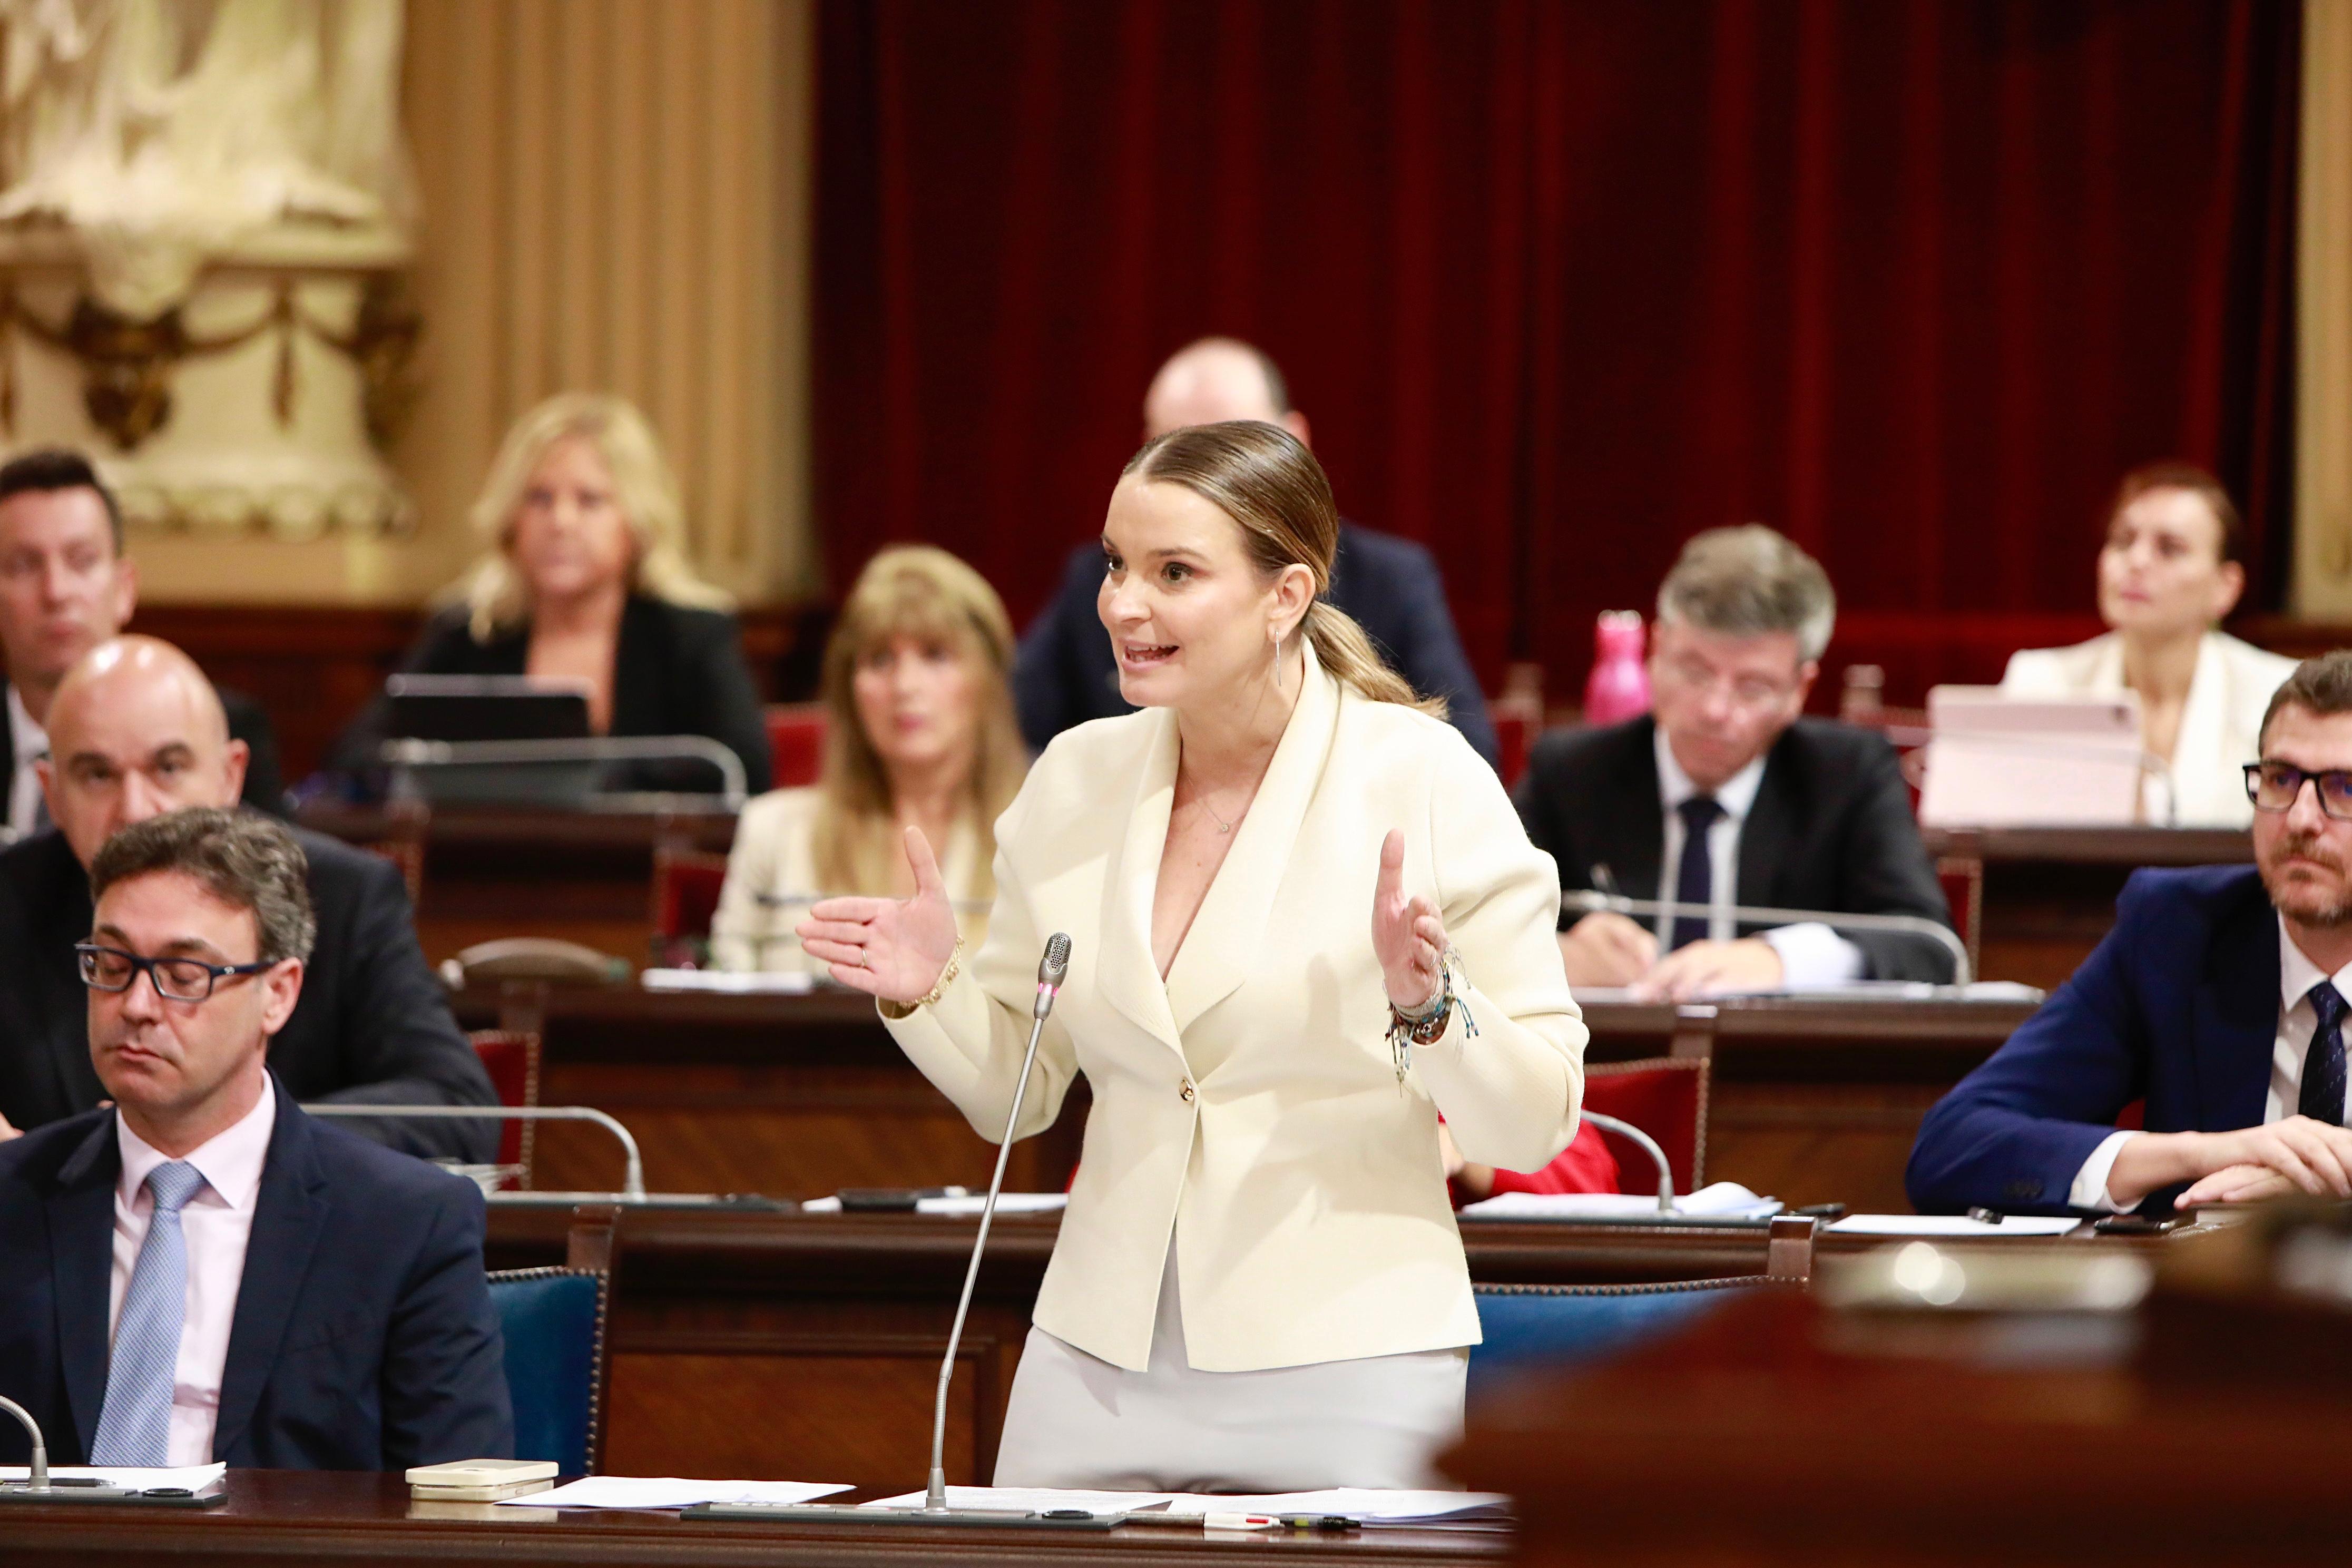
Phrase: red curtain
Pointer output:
(1561, 284)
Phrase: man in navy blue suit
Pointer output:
(2219, 999)
(1064, 674)
(203, 1272)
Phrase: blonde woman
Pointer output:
(584, 576)
(1305, 921)
(919, 733)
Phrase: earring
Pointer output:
(1277, 663)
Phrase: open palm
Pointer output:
(889, 947)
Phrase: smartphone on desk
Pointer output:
(892, 1200)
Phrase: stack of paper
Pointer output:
(968, 1206)
(728, 983)
(1031, 1500)
(1724, 1200)
(1370, 1508)
(670, 1492)
(1952, 1225)
(194, 1478)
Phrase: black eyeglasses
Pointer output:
(2275, 786)
(176, 979)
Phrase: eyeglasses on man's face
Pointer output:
(2275, 786)
(111, 969)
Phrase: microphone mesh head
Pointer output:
(1057, 960)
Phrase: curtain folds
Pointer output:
(1560, 284)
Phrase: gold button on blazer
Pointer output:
(1250, 1103)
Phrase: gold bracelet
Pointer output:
(947, 978)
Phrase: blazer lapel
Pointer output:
(81, 1254)
(1767, 835)
(1631, 824)
(2237, 1017)
(1228, 935)
(54, 984)
(288, 1215)
(2204, 733)
(1126, 971)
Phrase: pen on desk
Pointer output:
(1320, 1522)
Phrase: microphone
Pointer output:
(36, 1487)
(1757, 914)
(1052, 970)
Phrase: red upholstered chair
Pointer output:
(512, 1062)
(796, 742)
(1665, 1097)
(687, 885)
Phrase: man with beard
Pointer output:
(2219, 1001)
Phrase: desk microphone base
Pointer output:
(118, 1496)
(954, 1518)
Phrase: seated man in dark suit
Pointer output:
(1064, 674)
(2218, 1000)
(1725, 796)
(135, 730)
(65, 588)
(203, 1272)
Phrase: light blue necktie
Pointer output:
(135, 1424)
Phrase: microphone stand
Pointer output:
(1757, 914)
(935, 1509)
(38, 1488)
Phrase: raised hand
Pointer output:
(1407, 933)
(889, 947)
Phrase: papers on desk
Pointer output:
(728, 983)
(1031, 1500)
(1371, 1508)
(1847, 991)
(1368, 1506)
(1952, 1226)
(1723, 1200)
(969, 1207)
(668, 1491)
(196, 1477)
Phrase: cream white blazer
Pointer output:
(2220, 724)
(772, 882)
(1249, 1105)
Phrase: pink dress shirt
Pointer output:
(216, 1223)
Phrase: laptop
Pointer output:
(459, 708)
(1995, 761)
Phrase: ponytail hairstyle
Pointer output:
(1265, 479)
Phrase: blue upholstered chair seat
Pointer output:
(1564, 1325)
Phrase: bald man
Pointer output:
(1065, 675)
(135, 730)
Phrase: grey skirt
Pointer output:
(1076, 1420)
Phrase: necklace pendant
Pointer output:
(1225, 827)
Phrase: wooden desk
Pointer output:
(2198, 1431)
(2050, 893)
(784, 1344)
(1813, 1102)
(310, 1516)
(489, 872)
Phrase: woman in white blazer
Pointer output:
(2168, 572)
(1276, 878)
(918, 731)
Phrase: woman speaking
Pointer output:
(1306, 924)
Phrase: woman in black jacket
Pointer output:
(584, 578)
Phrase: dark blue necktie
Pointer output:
(1695, 883)
(2322, 1066)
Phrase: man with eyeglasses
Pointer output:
(2215, 1004)
(1724, 795)
(202, 1272)
(135, 730)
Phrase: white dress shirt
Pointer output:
(216, 1223)
(29, 743)
(2298, 1023)
(1811, 953)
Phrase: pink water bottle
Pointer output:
(1619, 686)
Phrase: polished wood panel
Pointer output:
(2050, 893)
(366, 1520)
